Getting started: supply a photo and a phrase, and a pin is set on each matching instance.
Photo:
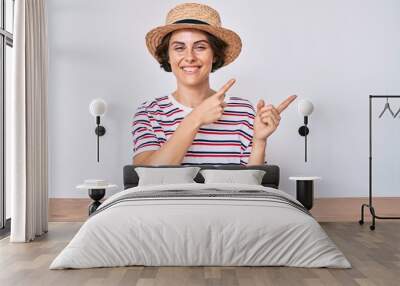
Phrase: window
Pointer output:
(6, 60)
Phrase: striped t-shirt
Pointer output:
(225, 141)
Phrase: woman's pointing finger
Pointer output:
(286, 103)
(225, 88)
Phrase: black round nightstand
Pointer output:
(305, 190)
(96, 193)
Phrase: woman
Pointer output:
(195, 124)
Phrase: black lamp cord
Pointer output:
(305, 138)
(98, 124)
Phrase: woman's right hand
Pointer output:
(212, 108)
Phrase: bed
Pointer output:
(201, 224)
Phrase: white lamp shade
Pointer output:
(305, 107)
(98, 107)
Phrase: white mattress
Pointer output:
(200, 231)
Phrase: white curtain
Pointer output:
(28, 123)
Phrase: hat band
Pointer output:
(190, 21)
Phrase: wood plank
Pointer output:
(68, 210)
(349, 209)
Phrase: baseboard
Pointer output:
(324, 210)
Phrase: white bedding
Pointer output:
(192, 231)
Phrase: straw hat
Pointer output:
(197, 16)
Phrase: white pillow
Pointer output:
(249, 177)
(164, 176)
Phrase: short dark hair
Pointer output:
(218, 47)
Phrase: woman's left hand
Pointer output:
(268, 117)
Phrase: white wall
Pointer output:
(334, 53)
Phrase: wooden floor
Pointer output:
(324, 210)
(374, 255)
